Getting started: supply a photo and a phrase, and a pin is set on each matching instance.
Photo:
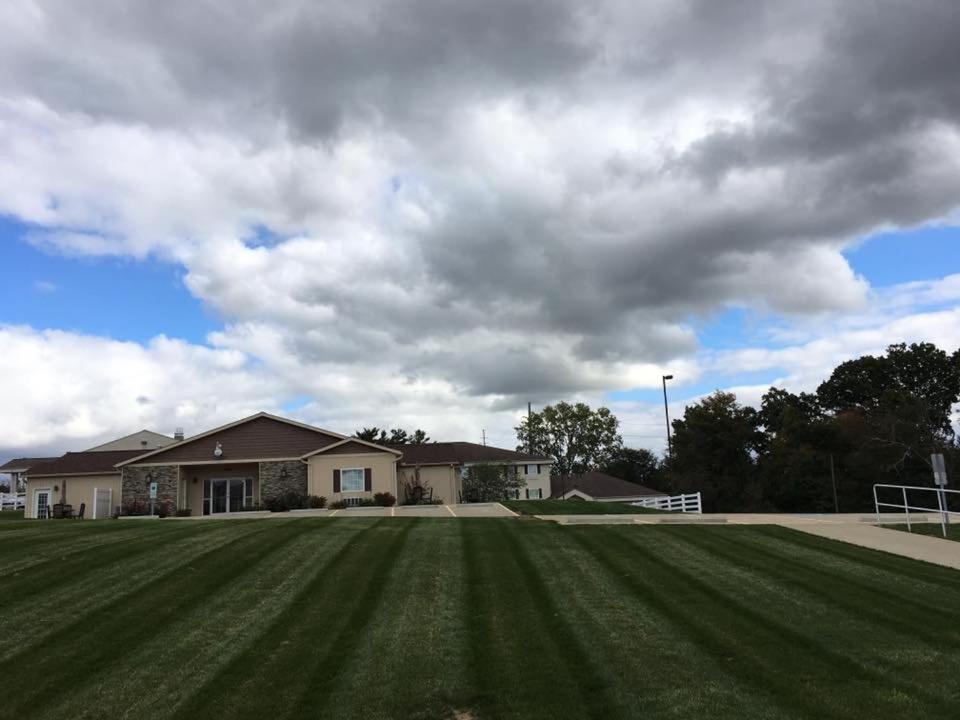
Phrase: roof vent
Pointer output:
(178, 434)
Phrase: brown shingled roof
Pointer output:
(23, 464)
(598, 485)
(79, 463)
(459, 453)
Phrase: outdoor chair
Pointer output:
(57, 511)
(68, 512)
(83, 509)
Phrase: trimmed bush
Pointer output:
(314, 501)
(285, 502)
(384, 499)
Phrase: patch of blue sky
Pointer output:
(115, 297)
(297, 403)
(706, 384)
(263, 236)
(890, 258)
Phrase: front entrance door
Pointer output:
(226, 495)
(41, 499)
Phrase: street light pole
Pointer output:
(666, 414)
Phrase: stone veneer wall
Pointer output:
(134, 485)
(273, 485)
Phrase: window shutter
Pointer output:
(336, 480)
(367, 479)
(528, 493)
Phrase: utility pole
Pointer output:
(529, 435)
(484, 431)
(666, 414)
(833, 478)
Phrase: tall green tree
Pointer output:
(488, 482)
(892, 412)
(577, 437)
(637, 465)
(715, 446)
(794, 460)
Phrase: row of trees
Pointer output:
(876, 419)
(394, 436)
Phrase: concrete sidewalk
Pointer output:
(912, 545)
(854, 528)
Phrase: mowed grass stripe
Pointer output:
(51, 612)
(651, 671)
(739, 641)
(209, 635)
(76, 563)
(412, 663)
(92, 641)
(868, 603)
(52, 545)
(522, 663)
(821, 652)
(277, 676)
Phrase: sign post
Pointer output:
(153, 495)
(940, 480)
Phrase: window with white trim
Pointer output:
(532, 470)
(534, 493)
(351, 480)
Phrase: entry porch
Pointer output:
(219, 489)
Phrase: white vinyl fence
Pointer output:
(942, 494)
(682, 503)
(12, 501)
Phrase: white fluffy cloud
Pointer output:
(428, 213)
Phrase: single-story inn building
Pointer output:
(599, 486)
(263, 456)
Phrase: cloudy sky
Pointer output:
(428, 212)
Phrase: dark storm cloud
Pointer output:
(724, 154)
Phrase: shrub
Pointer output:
(314, 501)
(338, 504)
(135, 507)
(183, 512)
(384, 499)
(285, 501)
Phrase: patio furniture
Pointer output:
(83, 509)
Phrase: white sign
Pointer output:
(153, 491)
(939, 469)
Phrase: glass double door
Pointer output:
(227, 495)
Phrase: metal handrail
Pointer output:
(942, 508)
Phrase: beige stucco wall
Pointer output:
(79, 490)
(537, 481)
(447, 484)
(320, 473)
(445, 481)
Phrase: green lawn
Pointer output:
(953, 531)
(574, 507)
(11, 515)
(424, 618)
